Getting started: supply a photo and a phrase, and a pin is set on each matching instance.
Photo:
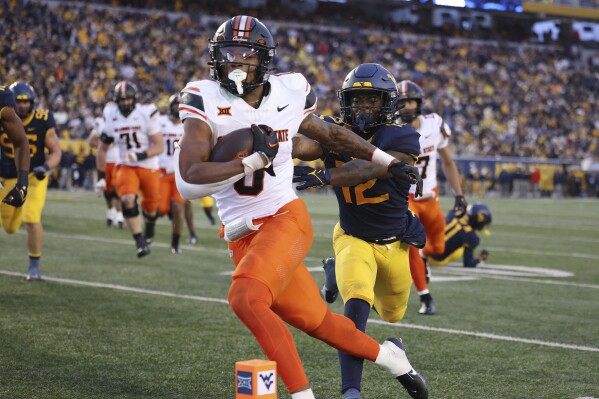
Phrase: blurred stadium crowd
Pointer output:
(500, 98)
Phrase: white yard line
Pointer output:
(199, 248)
(372, 321)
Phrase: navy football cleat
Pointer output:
(409, 378)
(34, 274)
(427, 305)
(329, 291)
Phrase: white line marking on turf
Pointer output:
(372, 321)
(486, 335)
(198, 248)
(119, 288)
(510, 270)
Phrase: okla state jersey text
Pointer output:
(288, 101)
(377, 209)
(432, 138)
(36, 126)
(132, 133)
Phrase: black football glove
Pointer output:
(265, 141)
(310, 177)
(403, 171)
(484, 255)
(16, 196)
(460, 205)
(40, 171)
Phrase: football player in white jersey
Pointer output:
(434, 139)
(107, 179)
(268, 228)
(134, 129)
(171, 202)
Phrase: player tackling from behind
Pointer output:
(268, 228)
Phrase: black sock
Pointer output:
(175, 240)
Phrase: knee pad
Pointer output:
(129, 213)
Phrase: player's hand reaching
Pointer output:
(310, 177)
(403, 171)
(460, 205)
(16, 196)
(484, 255)
(266, 144)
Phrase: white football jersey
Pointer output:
(171, 133)
(289, 100)
(112, 155)
(432, 138)
(132, 133)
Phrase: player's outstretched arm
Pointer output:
(450, 170)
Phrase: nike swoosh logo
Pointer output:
(273, 145)
(282, 108)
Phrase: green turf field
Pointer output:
(107, 325)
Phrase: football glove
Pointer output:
(460, 205)
(40, 171)
(403, 171)
(265, 143)
(484, 255)
(16, 196)
(310, 177)
(100, 186)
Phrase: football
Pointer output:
(237, 144)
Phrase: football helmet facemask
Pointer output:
(409, 90)
(173, 104)
(23, 92)
(479, 216)
(245, 42)
(122, 91)
(361, 86)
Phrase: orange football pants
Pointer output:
(168, 192)
(110, 176)
(271, 285)
(133, 180)
(430, 214)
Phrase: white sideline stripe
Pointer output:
(487, 335)
(372, 321)
(119, 287)
(198, 248)
(191, 248)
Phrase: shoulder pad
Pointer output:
(331, 119)
(293, 81)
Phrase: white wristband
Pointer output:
(253, 163)
(382, 158)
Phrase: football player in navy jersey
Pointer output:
(12, 127)
(462, 236)
(375, 229)
(40, 130)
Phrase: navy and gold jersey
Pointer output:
(378, 209)
(36, 126)
(459, 235)
(7, 98)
